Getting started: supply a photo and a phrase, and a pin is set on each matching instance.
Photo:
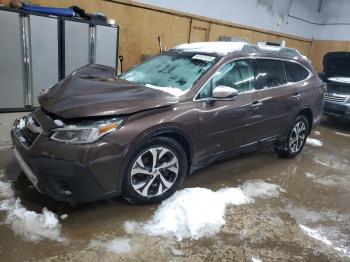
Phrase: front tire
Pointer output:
(155, 172)
(296, 138)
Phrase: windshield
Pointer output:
(172, 72)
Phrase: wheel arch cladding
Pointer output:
(309, 116)
(181, 139)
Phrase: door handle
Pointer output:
(296, 96)
(257, 103)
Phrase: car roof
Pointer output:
(230, 48)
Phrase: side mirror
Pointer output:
(224, 92)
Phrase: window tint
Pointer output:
(295, 72)
(269, 73)
(237, 74)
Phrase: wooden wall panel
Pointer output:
(140, 29)
(253, 37)
(220, 30)
(91, 6)
(141, 25)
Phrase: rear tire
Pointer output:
(155, 172)
(296, 138)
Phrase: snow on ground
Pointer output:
(261, 189)
(254, 259)
(310, 175)
(199, 212)
(342, 134)
(130, 227)
(341, 164)
(194, 212)
(330, 180)
(28, 224)
(328, 223)
(315, 234)
(117, 245)
(317, 133)
(314, 142)
(5, 190)
(326, 181)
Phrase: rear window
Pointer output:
(269, 73)
(295, 72)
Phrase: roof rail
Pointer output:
(272, 49)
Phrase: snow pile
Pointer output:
(25, 223)
(194, 212)
(221, 48)
(29, 224)
(316, 235)
(130, 227)
(170, 90)
(199, 212)
(261, 189)
(117, 245)
(254, 259)
(310, 175)
(317, 133)
(314, 142)
(6, 190)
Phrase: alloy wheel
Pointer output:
(297, 137)
(154, 172)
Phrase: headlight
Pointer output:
(86, 133)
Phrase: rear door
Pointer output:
(279, 99)
(226, 124)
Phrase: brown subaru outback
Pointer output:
(138, 135)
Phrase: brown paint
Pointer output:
(207, 129)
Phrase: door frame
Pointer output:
(193, 26)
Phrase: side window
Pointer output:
(237, 74)
(295, 72)
(269, 73)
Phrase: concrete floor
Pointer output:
(317, 195)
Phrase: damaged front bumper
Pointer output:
(58, 170)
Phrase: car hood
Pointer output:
(337, 64)
(94, 91)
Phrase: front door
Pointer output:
(279, 99)
(226, 124)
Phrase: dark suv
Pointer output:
(337, 76)
(139, 135)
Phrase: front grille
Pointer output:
(334, 98)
